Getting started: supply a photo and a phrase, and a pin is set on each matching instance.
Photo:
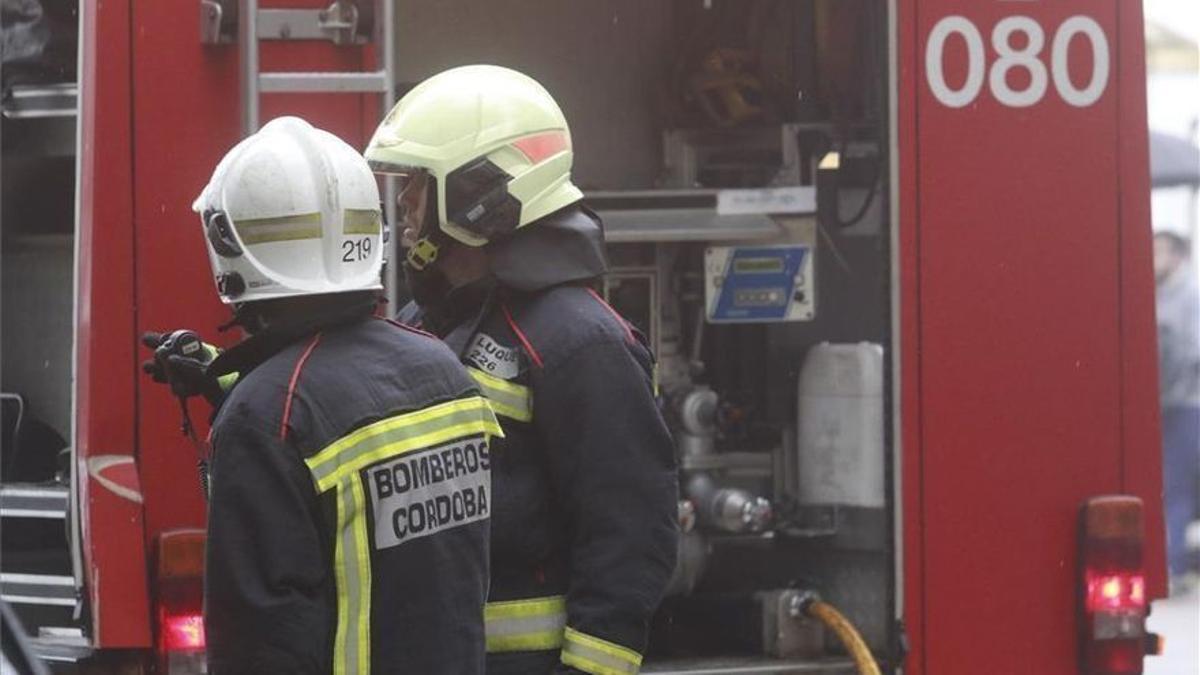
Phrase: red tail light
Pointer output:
(1112, 607)
(179, 599)
(182, 632)
(1115, 592)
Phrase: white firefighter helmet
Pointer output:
(291, 210)
(493, 141)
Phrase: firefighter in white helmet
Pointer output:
(350, 489)
(503, 260)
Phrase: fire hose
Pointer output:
(811, 604)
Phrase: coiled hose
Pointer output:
(839, 624)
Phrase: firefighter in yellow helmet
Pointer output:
(502, 259)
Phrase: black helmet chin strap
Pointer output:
(245, 315)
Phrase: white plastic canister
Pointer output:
(840, 426)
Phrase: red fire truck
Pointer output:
(894, 258)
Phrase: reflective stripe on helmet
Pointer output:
(533, 624)
(361, 221)
(285, 228)
(539, 147)
(509, 400)
(599, 657)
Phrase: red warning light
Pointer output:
(183, 632)
(1108, 592)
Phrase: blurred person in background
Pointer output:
(1178, 304)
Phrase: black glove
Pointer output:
(181, 360)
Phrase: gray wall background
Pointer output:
(36, 327)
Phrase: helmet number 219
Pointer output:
(356, 250)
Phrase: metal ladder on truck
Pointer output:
(344, 22)
(48, 604)
(38, 569)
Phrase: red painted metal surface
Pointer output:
(159, 109)
(1020, 262)
(106, 366)
(1142, 469)
(912, 546)
(186, 115)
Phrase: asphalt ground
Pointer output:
(1177, 619)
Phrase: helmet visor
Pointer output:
(411, 182)
(417, 218)
(412, 192)
(402, 173)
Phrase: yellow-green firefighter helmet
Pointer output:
(494, 142)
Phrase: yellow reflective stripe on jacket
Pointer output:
(525, 625)
(338, 466)
(352, 568)
(226, 381)
(599, 657)
(400, 434)
(510, 400)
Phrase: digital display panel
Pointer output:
(758, 265)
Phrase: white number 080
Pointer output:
(1009, 58)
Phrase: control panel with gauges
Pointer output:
(759, 283)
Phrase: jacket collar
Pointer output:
(565, 246)
(249, 353)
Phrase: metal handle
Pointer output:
(385, 33)
(248, 53)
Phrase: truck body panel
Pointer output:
(1028, 353)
